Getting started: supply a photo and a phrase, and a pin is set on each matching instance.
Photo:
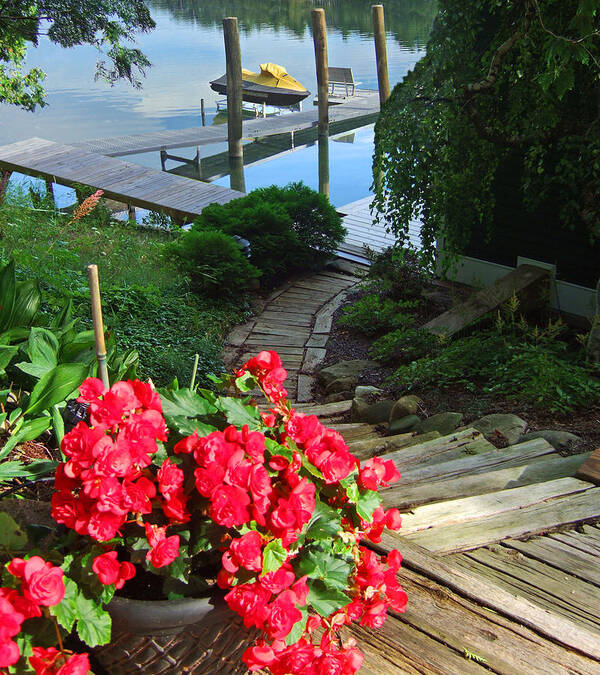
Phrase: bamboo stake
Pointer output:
(320, 43)
(381, 53)
(195, 370)
(98, 324)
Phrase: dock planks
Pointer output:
(121, 181)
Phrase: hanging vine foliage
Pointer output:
(502, 81)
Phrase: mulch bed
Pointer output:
(344, 344)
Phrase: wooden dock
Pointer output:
(501, 551)
(362, 108)
(122, 181)
(363, 230)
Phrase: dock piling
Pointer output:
(233, 56)
(320, 41)
(381, 53)
(202, 112)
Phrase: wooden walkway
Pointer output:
(363, 230)
(295, 321)
(500, 546)
(122, 181)
(363, 108)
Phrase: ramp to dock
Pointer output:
(122, 181)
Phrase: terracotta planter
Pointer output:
(197, 636)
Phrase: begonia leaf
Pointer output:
(93, 623)
(367, 502)
(274, 555)
(239, 412)
(325, 601)
(298, 628)
(66, 611)
(13, 537)
(324, 523)
(184, 403)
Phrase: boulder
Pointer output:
(339, 396)
(445, 423)
(346, 369)
(564, 441)
(503, 424)
(403, 424)
(372, 413)
(364, 393)
(341, 384)
(406, 405)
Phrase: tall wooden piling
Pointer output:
(381, 53)
(324, 165)
(233, 56)
(320, 41)
(202, 112)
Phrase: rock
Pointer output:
(403, 424)
(563, 441)
(364, 393)
(373, 413)
(445, 423)
(507, 425)
(339, 396)
(341, 384)
(406, 405)
(349, 369)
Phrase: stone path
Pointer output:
(295, 322)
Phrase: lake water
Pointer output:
(186, 50)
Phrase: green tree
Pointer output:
(507, 88)
(107, 25)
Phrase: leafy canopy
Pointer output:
(503, 84)
(107, 25)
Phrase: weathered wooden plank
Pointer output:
(544, 585)
(279, 328)
(525, 278)
(326, 408)
(433, 516)
(527, 521)
(506, 646)
(490, 594)
(591, 469)
(437, 489)
(324, 317)
(398, 648)
(289, 318)
(578, 541)
(562, 556)
(274, 341)
(506, 457)
(380, 444)
(313, 358)
(466, 442)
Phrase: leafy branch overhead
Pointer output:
(108, 25)
(502, 82)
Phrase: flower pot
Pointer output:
(197, 636)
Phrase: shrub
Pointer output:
(399, 273)
(214, 262)
(290, 229)
(403, 345)
(373, 315)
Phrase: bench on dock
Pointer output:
(342, 77)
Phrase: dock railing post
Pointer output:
(381, 53)
(233, 56)
(320, 42)
(202, 112)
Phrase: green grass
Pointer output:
(146, 301)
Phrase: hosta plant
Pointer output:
(203, 490)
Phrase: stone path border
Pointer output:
(295, 321)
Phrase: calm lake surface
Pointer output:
(186, 50)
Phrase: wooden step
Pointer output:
(365, 449)
(591, 469)
(519, 522)
(538, 470)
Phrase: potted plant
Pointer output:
(201, 510)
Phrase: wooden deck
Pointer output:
(363, 108)
(363, 230)
(122, 181)
(501, 551)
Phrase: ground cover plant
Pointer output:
(536, 361)
(148, 305)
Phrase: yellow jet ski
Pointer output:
(272, 86)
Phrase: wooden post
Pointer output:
(237, 180)
(233, 56)
(4, 177)
(50, 189)
(98, 324)
(202, 112)
(131, 212)
(381, 53)
(320, 41)
(324, 165)
(163, 160)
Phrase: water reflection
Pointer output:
(324, 165)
